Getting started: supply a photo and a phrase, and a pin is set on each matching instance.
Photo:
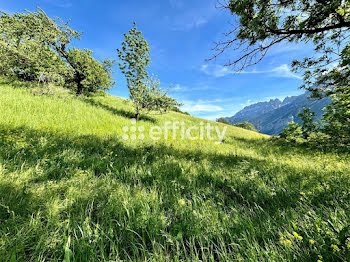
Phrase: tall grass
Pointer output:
(72, 189)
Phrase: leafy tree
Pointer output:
(178, 110)
(337, 118)
(34, 47)
(24, 45)
(335, 83)
(223, 120)
(246, 125)
(144, 90)
(308, 125)
(264, 24)
(292, 132)
(88, 74)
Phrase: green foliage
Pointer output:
(308, 125)
(337, 118)
(144, 90)
(178, 110)
(34, 47)
(25, 46)
(223, 120)
(135, 59)
(71, 188)
(293, 132)
(89, 75)
(335, 83)
(263, 24)
(246, 125)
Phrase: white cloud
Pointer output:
(221, 71)
(185, 24)
(178, 87)
(60, 3)
(200, 106)
(283, 71)
(216, 70)
(190, 15)
(198, 87)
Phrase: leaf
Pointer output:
(13, 257)
(68, 254)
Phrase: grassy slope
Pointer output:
(70, 186)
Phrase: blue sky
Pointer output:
(181, 34)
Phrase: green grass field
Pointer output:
(72, 189)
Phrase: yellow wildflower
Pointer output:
(335, 248)
(295, 234)
(348, 244)
(181, 202)
(285, 242)
(312, 241)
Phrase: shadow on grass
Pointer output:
(241, 183)
(119, 112)
(280, 145)
(16, 83)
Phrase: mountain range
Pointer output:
(273, 116)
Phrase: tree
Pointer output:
(246, 125)
(88, 74)
(34, 47)
(308, 125)
(24, 45)
(263, 24)
(292, 132)
(337, 118)
(144, 90)
(223, 120)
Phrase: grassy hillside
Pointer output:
(71, 188)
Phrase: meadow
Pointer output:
(71, 189)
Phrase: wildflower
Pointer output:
(312, 241)
(302, 193)
(295, 234)
(219, 204)
(335, 248)
(285, 242)
(66, 221)
(348, 244)
(181, 202)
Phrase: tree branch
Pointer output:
(309, 31)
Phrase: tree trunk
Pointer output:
(137, 115)
(79, 84)
(80, 88)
